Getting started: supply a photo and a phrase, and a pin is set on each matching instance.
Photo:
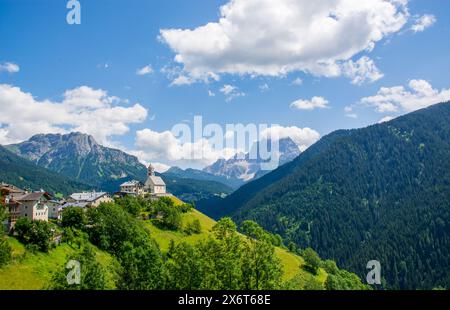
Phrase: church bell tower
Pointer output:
(151, 170)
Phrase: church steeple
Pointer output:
(151, 170)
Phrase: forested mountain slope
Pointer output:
(381, 192)
(25, 174)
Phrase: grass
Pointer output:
(291, 263)
(33, 271)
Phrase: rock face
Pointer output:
(243, 167)
(79, 156)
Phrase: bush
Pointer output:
(38, 233)
(185, 207)
(113, 229)
(194, 227)
(73, 217)
(133, 205)
(5, 252)
(168, 216)
(92, 274)
(312, 260)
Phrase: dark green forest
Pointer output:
(25, 174)
(382, 192)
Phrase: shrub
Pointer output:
(73, 217)
(5, 252)
(92, 274)
(312, 260)
(168, 216)
(194, 227)
(38, 233)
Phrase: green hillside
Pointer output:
(33, 271)
(291, 263)
(380, 192)
(36, 270)
(25, 174)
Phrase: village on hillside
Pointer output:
(42, 206)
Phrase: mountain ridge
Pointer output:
(26, 174)
(379, 192)
(242, 167)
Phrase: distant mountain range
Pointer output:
(79, 157)
(377, 193)
(242, 167)
(200, 175)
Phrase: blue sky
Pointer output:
(117, 38)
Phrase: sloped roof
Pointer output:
(11, 188)
(131, 183)
(33, 196)
(156, 180)
(74, 204)
(87, 196)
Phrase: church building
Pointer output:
(154, 184)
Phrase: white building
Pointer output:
(154, 184)
(90, 199)
(34, 206)
(55, 209)
(132, 188)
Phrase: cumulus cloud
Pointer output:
(423, 22)
(363, 70)
(167, 148)
(231, 92)
(145, 70)
(297, 82)
(386, 119)
(273, 38)
(83, 109)
(9, 67)
(349, 112)
(400, 99)
(315, 103)
(264, 87)
(303, 137)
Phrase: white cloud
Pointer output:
(231, 92)
(103, 66)
(211, 93)
(182, 80)
(264, 87)
(9, 67)
(423, 22)
(145, 70)
(386, 119)
(159, 167)
(82, 109)
(361, 71)
(297, 82)
(165, 147)
(349, 112)
(314, 103)
(418, 94)
(273, 38)
(303, 137)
